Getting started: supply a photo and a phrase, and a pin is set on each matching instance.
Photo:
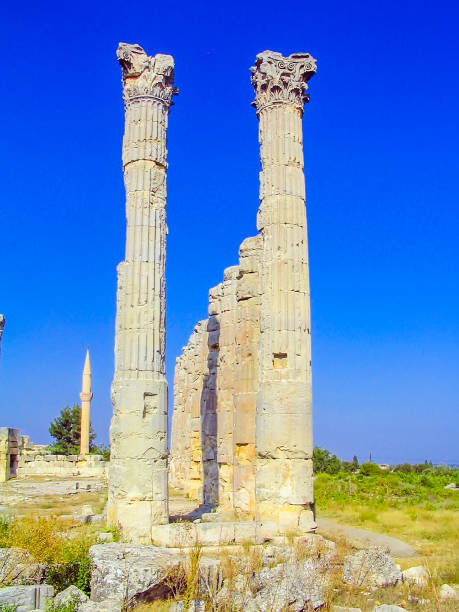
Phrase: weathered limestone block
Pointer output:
(9, 452)
(138, 432)
(25, 598)
(283, 422)
(186, 470)
(17, 566)
(225, 380)
(247, 334)
(371, 567)
(136, 573)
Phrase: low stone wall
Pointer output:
(38, 464)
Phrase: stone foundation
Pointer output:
(223, 533)
(21, 458)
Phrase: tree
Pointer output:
(324, 461)
(355, 462)
(66, 430)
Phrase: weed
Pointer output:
(65, 554)
(71, 606)
(114, 531)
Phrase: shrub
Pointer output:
(67, 556)
(70, 606)
(370, 469)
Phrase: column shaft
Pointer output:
(284, 400)
(138, 495)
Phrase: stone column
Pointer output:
(2, 327)
(85, 397)
(284, 404)
(138, 467)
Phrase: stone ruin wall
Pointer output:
(213, 425)
(21, 458)
(41, 463)
(242, 421)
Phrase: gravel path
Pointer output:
(363, 538)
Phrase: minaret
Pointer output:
(284, 489)
(86, 397)
(138, 495)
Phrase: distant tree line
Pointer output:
(325, 462)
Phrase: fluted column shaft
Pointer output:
(138, 497)
(284, 400)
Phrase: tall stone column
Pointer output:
(85, 397)
(284, 404)
(138, 467)
(2, 327)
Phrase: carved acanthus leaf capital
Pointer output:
(145, 76)
(282, 80)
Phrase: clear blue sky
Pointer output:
(381, 157)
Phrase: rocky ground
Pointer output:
(364, 538)
(349, 569)
(52, 497)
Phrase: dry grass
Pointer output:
(57, 505)
(48, 540)
(154, 606)
(434, 533)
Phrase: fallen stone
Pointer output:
(127, 571)
(70, 595)
(388, 608)
(289, 586)
(133, 573)
(108, 605)
(363, 539)
(344, 609)
(417, 600)
(27, 597)
(17, 566)
(105, 536)
(451, 485)
(194, 606)
(417, 576)
(372, 567)
(447, 592)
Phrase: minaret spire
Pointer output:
(86, 397)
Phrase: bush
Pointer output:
(370, 469)
(67, 556)
(71, 606)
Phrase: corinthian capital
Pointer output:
(282, 80)
(145, 76)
